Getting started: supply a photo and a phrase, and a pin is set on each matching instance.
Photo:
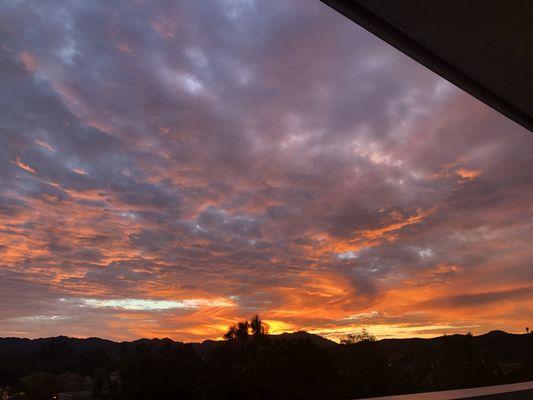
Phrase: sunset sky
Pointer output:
(169, 167)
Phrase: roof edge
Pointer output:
(386, 31)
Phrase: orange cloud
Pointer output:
(28, 61)
(397, 225)
(468, 173)
(24, 166)
(124, 48)
(44, 144)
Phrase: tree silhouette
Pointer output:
(241, 330)
(361, 336)
(257, 326)
(238, 331)
(231, 333)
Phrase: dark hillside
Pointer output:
(288, 366)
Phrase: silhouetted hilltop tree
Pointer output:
(238, 331)
(231, 333)
(258, 327)
(241, 330)
(361, 336)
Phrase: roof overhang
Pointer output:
(483, 47)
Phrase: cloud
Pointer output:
(158, 153)
(480, 299)
(155, 305)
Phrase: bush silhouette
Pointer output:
(361, 336)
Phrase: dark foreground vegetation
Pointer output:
(250, 364)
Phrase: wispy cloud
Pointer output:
(154, 305)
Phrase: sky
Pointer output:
(170, 167)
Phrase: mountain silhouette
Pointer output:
(297, 365)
